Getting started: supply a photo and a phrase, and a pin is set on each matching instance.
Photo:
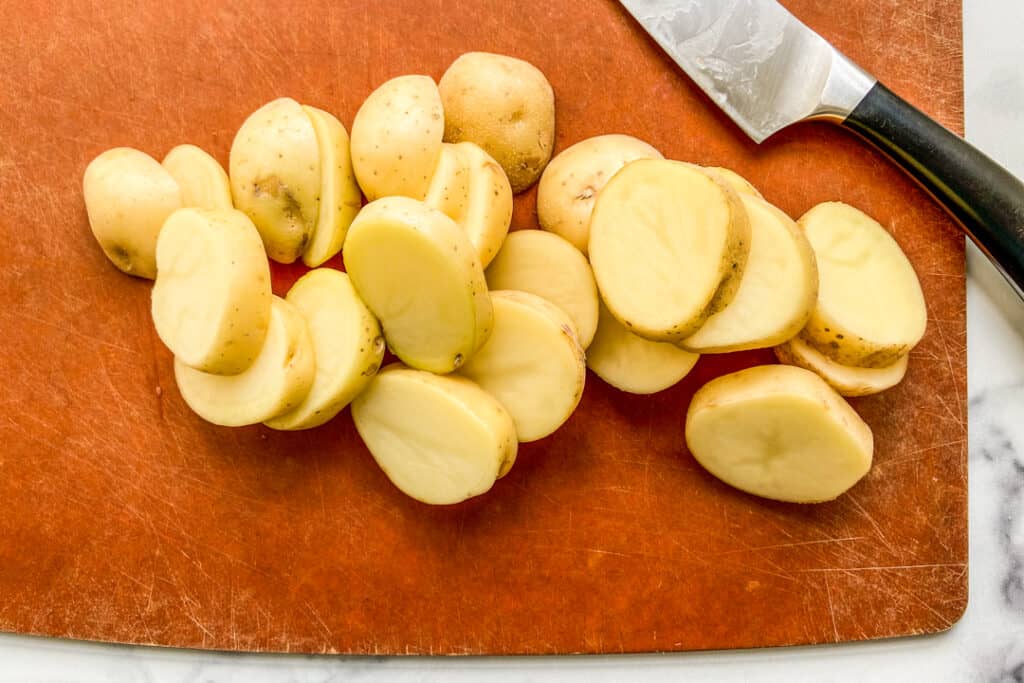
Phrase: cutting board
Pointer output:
(123, 517)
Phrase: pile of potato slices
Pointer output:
(639, 265)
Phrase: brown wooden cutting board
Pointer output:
(123, 517)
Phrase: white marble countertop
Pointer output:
(987, 644)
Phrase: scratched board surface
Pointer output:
(123, 517)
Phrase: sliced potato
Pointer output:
(277, 382)
(417, 271)
(128, 195)
(506, 106)
(211, 299)
(847, 380)
(449, 188)
(668, 244)
(347, 345)
(870, 308)
(532, 363)
(776, 294)
(544, 264)
(439, 439)
(203, 182)
(569, 185)
(489, 205)
(735, 181)
(396, 138)
(275, 176)
(633, 364)
(779, 432)
(339, 194)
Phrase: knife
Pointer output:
(767, 70)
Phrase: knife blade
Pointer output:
(767, 70)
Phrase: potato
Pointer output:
(544, 264)
(633, 364)
(419, 274)
(396, 138)
(506, 106)
(128, 195)
(532, 363)
(448, 191)
(776, 294)
(779, 432)
(847, 380)
(340, 199)
(570, 183)
(275, 383)
(439, 439)
(347, 345)
(275, 176)
(870, 309)
(735, 181)
(668, 244)
(489, 206)
(203, 182)
(211, 299)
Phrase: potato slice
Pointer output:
(847, 380)
(668, 244)
(449, 188)
(870, 308)
(439, 439)
(340, 199)
(347, 345)
(532, 363)
(396, 138)
(128, 196)
(211, 299)
(489, 205)
(544, 264)
(779, 432)
(277, 382)
(506, 106)
(419, 274)
(735, 181)
(571, 182)
(776, 294)
(275, 176)
(203, 182)
(633, 364)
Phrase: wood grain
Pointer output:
(125, 518)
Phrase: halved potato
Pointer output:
(449, 188)
(776, 294)
(396, 138)
(339, 194)
(845, 379)
(735, 181)
(347, 345)
(532, 363)
(571, 182)
(545, 264)
(439, 439)
(277, 382)
(128, 196)
(275, 171)
(668, 244)
(870, 308)
(489, 205)
(211, 300)
(419, 274)
(633, 364)
(779, 432)
(203, 182)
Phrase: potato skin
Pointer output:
(506, 106)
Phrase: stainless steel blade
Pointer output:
(758, 62)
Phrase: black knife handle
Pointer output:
(985, 198)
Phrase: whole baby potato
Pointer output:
(506, 106)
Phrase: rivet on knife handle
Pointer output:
(767, 70)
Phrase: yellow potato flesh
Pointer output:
(203, 182)
(735, 181)
(449, 187)
(489, 204)
(845, 379)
